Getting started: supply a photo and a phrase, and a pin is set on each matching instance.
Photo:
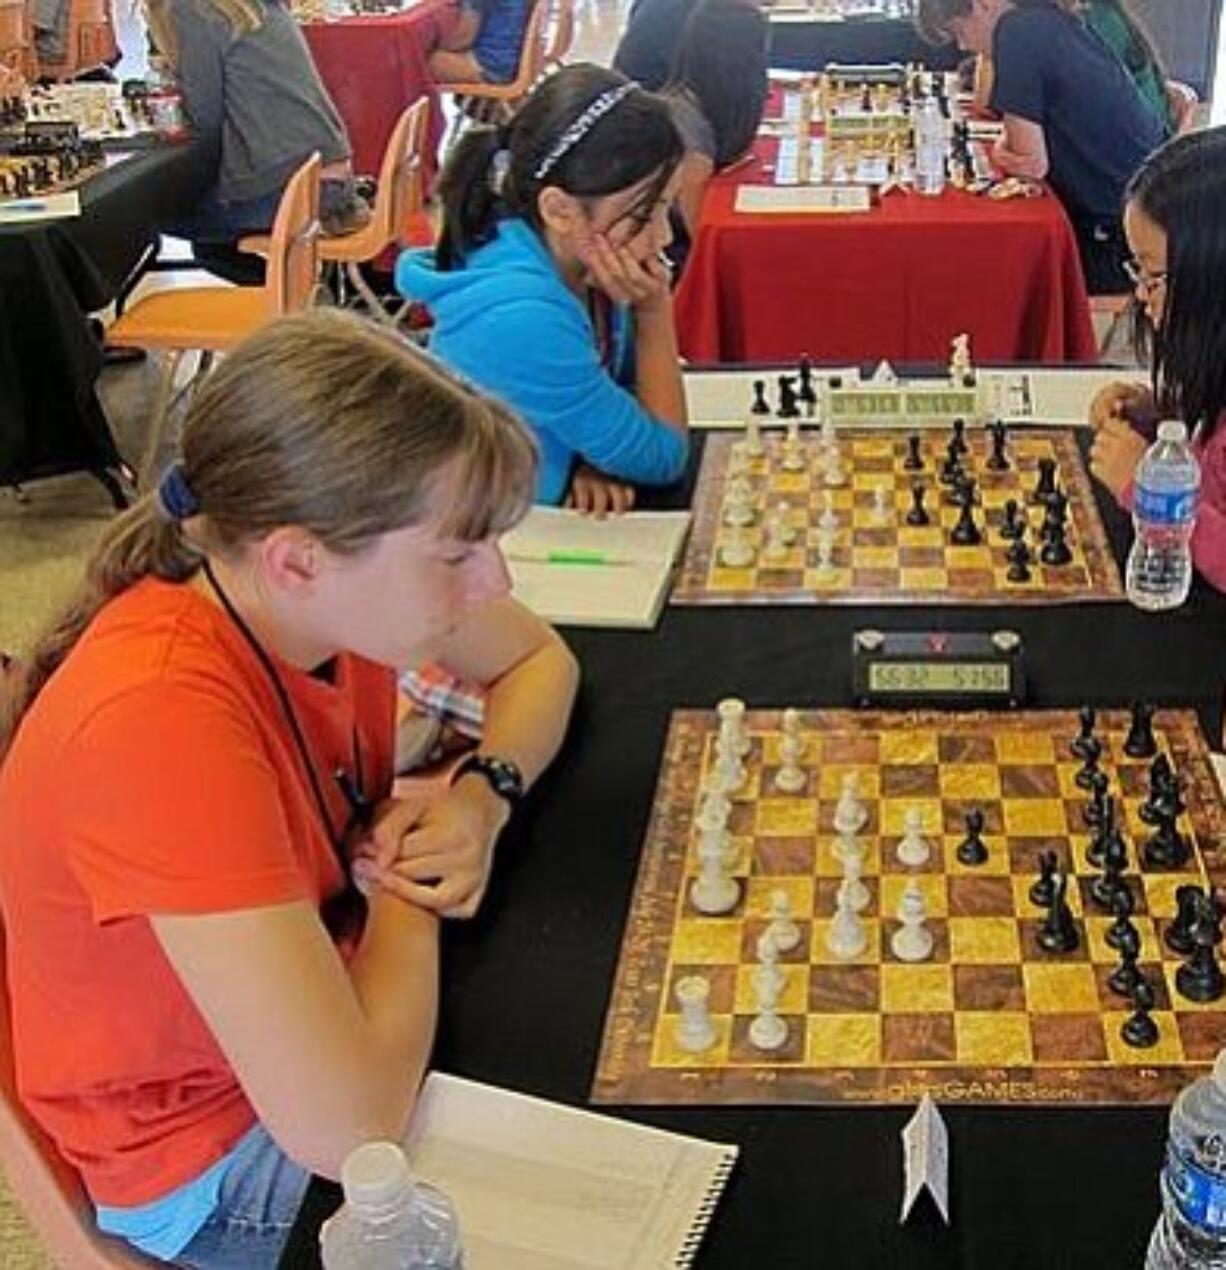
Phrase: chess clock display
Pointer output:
(957, 669)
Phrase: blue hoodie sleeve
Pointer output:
(544, 364)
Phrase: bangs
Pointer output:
(490, 484)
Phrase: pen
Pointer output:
(24, 205)
(570, 556)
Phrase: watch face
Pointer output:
(504, 777)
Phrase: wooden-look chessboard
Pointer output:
(882, 560)
(990, 1017)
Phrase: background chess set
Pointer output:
(990, 1016)
(880, 559)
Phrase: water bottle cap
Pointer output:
(1172, 430)
(375, 1174)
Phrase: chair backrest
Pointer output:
(561, 33)
(293, 249)
(531, 53)
(400, 196)
(44, 1184)
(90, 40)
(16, 42)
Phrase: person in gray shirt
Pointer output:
(251, 90)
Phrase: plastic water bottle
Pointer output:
(1164, 515)
(1191, 1232)
(931, 146)
(389, 1221)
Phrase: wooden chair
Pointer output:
(398, 218)
(16, 45)
(90, 41)
(547, 40)
(46, 1186)
(212, 319)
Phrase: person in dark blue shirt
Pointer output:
(650, 41)
(1072, 114)
(484, 45)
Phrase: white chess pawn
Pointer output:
(767, 1031)
(754, 445)
(846, 937)
(857, 893)
(881, 504)
(694, 1032)
(912, 941)
(829, 437)
(790, 778)
(729, 767)
(791, 724)
(787, 534)
(913, 850)
(714, 890)
(850, 814)
(782, 929)
(825, 554)
(794, 457)
(829, 519)
(775, 547)
(738, 504)
(769, 977)
(731, 714)
(737, 552)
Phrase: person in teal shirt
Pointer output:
(548, 289)
(1116, 27)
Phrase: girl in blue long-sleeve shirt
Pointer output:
(547, 286)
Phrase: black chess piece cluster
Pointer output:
(1053, 548)
(12, 112)
(797, 393)
(1196, 931)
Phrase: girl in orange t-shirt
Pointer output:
(195, 786)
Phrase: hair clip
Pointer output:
(500, 167)
(176, 498)
(581, 127)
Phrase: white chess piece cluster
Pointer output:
(846, 937)
(715, 890)
(768, 1031)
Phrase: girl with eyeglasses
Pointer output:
(1175, 222)
(548, 288)
(194, 796)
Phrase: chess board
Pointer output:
(990, 1017)
(890, 562)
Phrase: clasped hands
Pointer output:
(1118, 447)
(434, 848)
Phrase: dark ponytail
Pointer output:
(494, 172)
(1182, 189)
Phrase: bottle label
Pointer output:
(1200, 1196)
(1164, 507)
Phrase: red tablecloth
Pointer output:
(897, 282)
(374, 67)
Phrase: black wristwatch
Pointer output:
(502, 776)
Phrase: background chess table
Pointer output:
(990, 1012)
(892, 562)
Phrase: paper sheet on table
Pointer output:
(41, 207)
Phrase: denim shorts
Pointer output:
(259, 1200)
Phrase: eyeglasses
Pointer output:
(1139, 276)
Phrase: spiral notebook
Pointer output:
(541, 1186)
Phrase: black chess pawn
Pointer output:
(1091, 753)
(1163, 788)
(1095, 811)
(1167, 848)
(1102, 832)
(807, 394)
(972, 850)
(1110, 882)
(957, 442)
(787, 399)
(1046, 484)
(1018, 557)
(965, 532)
(1044, 887)
(1178, 936)
(1124, 977)
(1200, 978)
(760, 405)
(1058, 932)
(1139, 1030)
(1122, 906)
(1055, 550)
(1087, 718)
(998, 459)
(1140, 742)
(914, 462)
(1013, 526)
(951, 468)
(918, 514)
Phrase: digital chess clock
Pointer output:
(938, 668)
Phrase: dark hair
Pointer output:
(721, 62)
(932, 17)
(1182, 189)
(632, 140)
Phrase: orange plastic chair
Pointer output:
(397, 219)
(16, 44)
(90, 42)
(212, 319)
(44, 1184)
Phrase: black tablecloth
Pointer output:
(526, 984)
(810, 45)
(52, 274)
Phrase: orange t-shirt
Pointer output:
(156, 773)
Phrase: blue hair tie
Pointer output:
(177, 498)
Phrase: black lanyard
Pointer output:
(360, 807)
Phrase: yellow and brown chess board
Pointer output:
(990, 1017)
(881, 559)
